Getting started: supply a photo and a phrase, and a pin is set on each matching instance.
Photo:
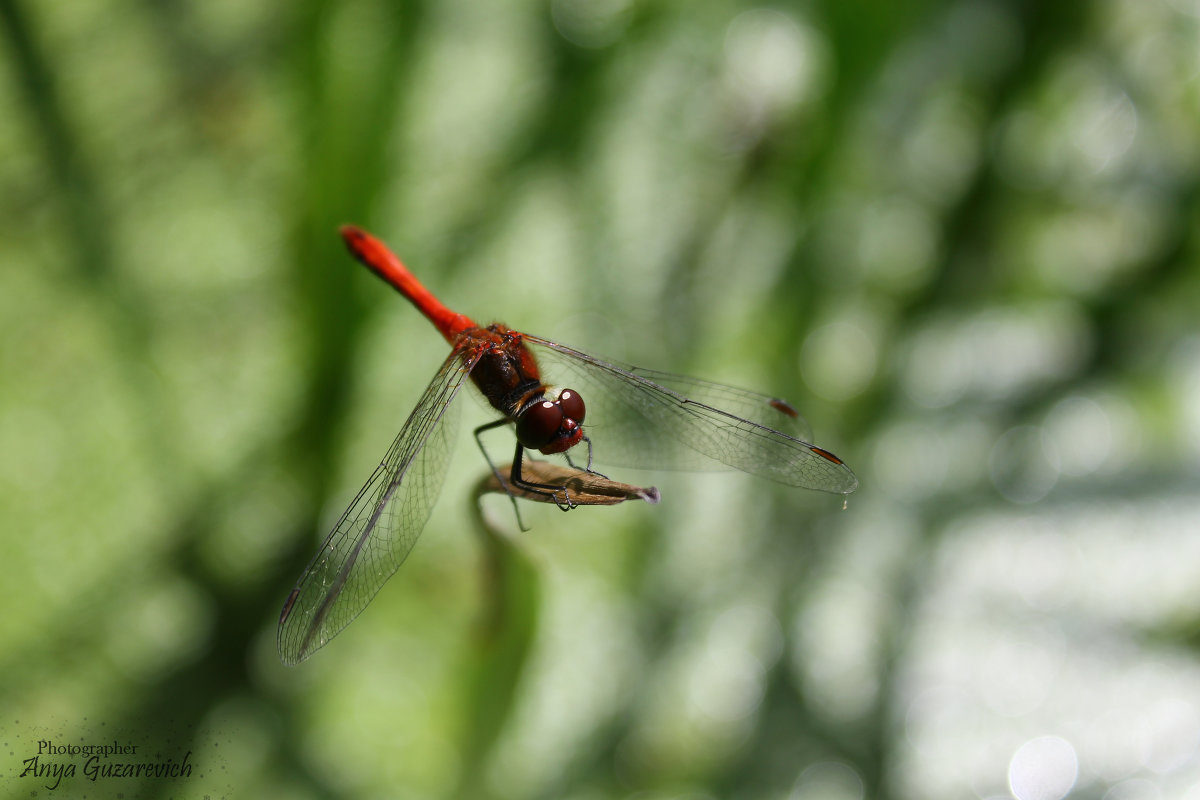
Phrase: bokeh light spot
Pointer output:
(838, 360)
(1044, 768)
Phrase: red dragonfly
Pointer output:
(636, 418)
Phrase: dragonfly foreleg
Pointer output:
(550, 490)
(588, 469)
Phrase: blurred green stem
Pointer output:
(84, 216)
(86, 220)
(508, 629)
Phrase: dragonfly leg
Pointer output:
(588, 469)
(495, 470)
(549, 489)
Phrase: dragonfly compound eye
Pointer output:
(572, 405)
(538, 426)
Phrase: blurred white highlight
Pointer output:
(1044, 768)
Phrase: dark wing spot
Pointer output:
(287, 606)
(825, 454)
(785, 407)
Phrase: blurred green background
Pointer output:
(960, 236)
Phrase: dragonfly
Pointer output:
(634, 417)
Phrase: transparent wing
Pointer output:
(375, 534)
(761, 409)
(643, 418)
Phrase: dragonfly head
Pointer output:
(552, 426)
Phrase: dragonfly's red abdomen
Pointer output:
(373, 254)
(506, 373)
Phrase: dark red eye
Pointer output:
(539, 424)
(572, 405)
